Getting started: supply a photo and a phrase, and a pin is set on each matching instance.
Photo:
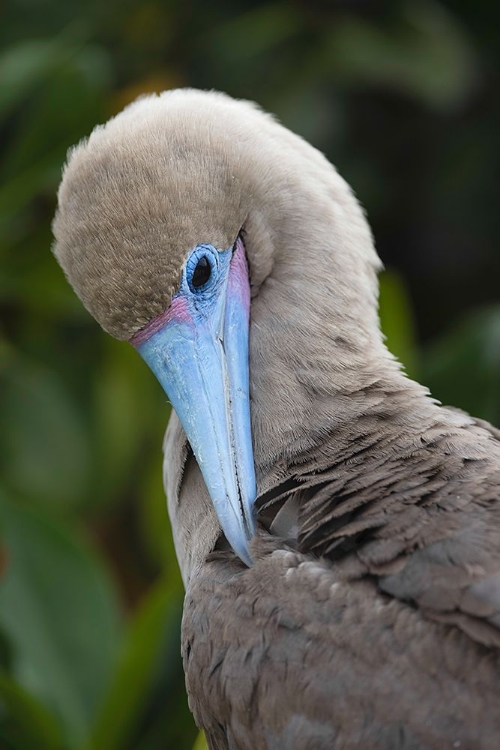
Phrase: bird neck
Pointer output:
(338, 413)
(385, 455)
(319, 368)
(326, 393)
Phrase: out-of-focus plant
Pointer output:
(400, 97)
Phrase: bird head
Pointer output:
(170, 218)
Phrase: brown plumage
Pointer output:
(371, 614)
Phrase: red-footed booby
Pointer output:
(337, 530)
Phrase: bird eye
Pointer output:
(201, 269)
(201, 273)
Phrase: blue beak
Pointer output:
(198, 350)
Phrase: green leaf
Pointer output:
(29, 272)
(25, 724)
(45, 453)
(201, 742)
(23, 65)
(129, 410)
(424, 53)
(396, 320)
(59, 613)
(154, 521)
(462, 367)
(249, 35)
(140, 661)
(80, 84)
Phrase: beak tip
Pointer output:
(245, 556)
(241, 537)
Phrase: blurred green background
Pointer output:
(403, 98)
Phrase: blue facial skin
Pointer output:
(200, 356)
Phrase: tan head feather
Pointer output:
(176, 170)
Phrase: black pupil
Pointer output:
(202, 272)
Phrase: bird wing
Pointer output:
(288, 655)
(426, 529)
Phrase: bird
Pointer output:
(337, 529)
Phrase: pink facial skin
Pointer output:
(177, 310)
(238, 275)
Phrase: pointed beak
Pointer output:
(200, 356)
